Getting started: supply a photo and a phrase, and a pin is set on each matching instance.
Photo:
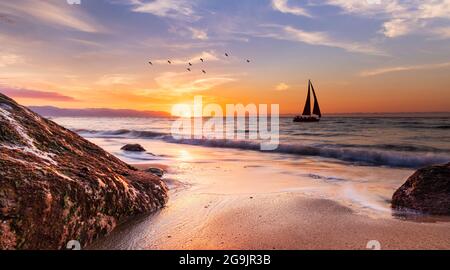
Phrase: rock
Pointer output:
(133, 148)
(156, 171)
(426, 191)
(56, 186)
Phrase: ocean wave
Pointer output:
(381, 155)
(396, 147)
(325, 178)
(359, 155)
(120, 133)
(443, 127)
(424, 126)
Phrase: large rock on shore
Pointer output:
(56, 186)
(426, 191)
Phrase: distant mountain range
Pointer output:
(50, 111)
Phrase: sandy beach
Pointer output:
(231, 216)
(319, 192)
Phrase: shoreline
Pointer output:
(201, 218)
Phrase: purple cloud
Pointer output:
(34, 94)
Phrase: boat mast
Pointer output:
(307, 109)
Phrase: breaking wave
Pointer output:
(120, 133)
(380, 155)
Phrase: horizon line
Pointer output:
(282, 114)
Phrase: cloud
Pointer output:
(400, 17)
(434, 9)
(182, 83)
(34, 94)
(282, 87)
(316, 38)
(442, 32)
(85, 42)
(209, 56)
(189, 32)
(198, 33)
(8, 59)
(396, 28)
(175, 9)
(381, 71)
(50, 13)
(116, 79)
(282, 6)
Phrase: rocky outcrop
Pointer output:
(56, 186)
(426, 191)
(133, 148)
(156, 171)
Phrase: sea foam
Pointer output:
(379, 155)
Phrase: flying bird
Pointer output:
(201, 59)
(190, 64)
(188, 69)
(168, 61)
(248, 61)
(150, 62)
(226, 54)
(204, 71)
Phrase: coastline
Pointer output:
(201, 218)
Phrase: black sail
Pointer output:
(307, 109)
(316, 109)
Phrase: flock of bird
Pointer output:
(189, 68)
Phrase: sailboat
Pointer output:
(306, 115)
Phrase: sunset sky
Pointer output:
(362, 56)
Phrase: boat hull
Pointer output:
(299, 119)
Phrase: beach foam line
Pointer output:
(360, 154)
(364, 156)
(120, 133)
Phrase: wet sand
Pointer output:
(252, 214)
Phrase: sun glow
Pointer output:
(184, 155)
(181, 110)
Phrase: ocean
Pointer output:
(358, 160)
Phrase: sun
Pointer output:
(182, 110)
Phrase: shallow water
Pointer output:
(409, 142)
(357, 161)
